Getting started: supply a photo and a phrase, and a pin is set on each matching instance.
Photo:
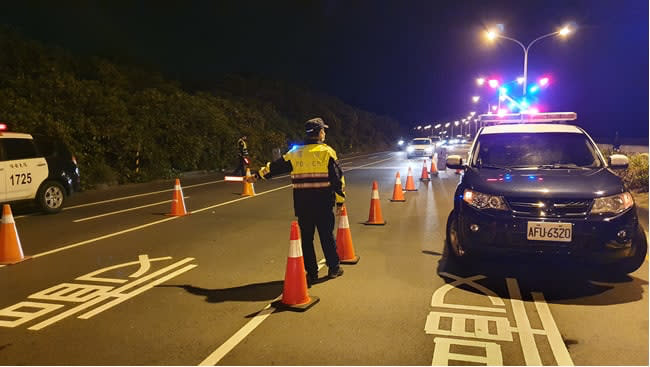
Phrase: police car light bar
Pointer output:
(518, 118)
(3, 126)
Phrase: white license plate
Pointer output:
(548, 231)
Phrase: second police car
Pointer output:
(534, 187)
(36, 168)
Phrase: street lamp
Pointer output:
(480, 81)
(475, 98)
(492, 35)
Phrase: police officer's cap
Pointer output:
(314, 125)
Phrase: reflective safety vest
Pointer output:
(310, 165)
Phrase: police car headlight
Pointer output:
(612, 204)
(410, 149)
(480, 200)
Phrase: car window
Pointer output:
(535, 149)
(420, 141)
(18, 149)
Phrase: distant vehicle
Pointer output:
(420, 147)
(36, 168)
(540, 188)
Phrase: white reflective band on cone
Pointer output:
(343, 222)
(177, 187)
(398, 181)
(295, 248)
(8, 219)
(375, 194)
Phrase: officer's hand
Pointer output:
(339, 208)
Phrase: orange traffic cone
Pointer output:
(434, 169)
(375, 217)
(425, 173)
(344, 247)
(294, 293)
(398, 193)
(178, 201)
(248, 189)
(10, 250)
(410, 184)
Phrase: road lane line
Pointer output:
(136, 228)
(528, 346)
(154, 192)
(242, 333)
(558, 347)
(123, 210)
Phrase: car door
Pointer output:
(24, 169)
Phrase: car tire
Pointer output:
(50, 197)
(453, 241)
(640, 245)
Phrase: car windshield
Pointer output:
(420, 142)
(538, 150)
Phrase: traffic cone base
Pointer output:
(294, 293)
(344, 246)
(11, 251)
(178, 201)
(375, 217)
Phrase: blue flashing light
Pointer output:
(533, 89)
(503, 90)
(532, 177)
(507, 177)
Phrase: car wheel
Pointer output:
(454, 243)
(50, 197)
(640, 244)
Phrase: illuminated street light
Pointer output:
(492, 35)
(456, 123)
(480, 81)
(493, 83)
(437, 126)
(520, 80)
(543, 81)
(472, 113)
(475, 99)
(447, 124)
(427, 127)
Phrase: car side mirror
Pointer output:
(454, 162)
(618, 161)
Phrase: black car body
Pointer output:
(61, 163)
(543, 189)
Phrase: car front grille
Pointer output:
(549, 208)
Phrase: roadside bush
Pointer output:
(636, 176)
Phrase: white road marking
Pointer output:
(242, 333)
(528, 346)
(554, 337)
(122, 211)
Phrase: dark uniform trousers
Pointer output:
(323, 220)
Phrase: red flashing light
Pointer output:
(493, 83)
(3, 126)
(543, 81)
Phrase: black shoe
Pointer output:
(311, 279)
(333, 273)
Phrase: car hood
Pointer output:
(559, 183)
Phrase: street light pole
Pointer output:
(491, 35)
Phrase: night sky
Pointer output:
(415, 61)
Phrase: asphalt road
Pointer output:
(114, 281)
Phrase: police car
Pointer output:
(535, 184)
(36, 168)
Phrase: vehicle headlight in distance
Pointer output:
(401, 142)
(410, 149)
(480, 200)
(612, 204)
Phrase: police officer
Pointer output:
(242, 151)
(318, 184)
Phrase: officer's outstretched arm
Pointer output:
(276, 167)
